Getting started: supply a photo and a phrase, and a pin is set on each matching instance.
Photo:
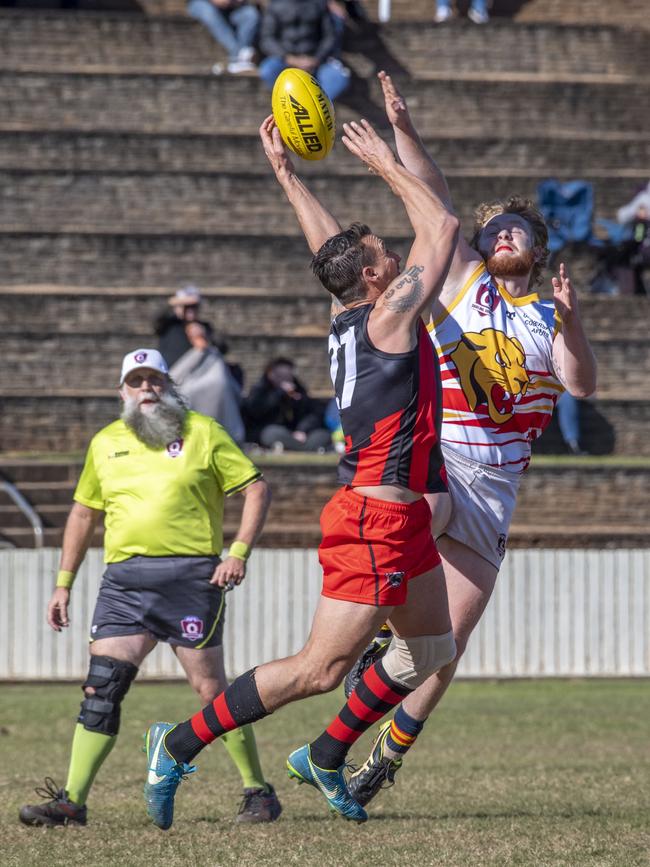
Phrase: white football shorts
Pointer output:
(483, 500)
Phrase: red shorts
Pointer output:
(372, 548)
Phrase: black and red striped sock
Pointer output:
(375, 694)
(237, 705)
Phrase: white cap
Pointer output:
(187, 296)
(139, 358)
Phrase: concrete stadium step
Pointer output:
(624, 363)
(616, 153)
(632, 13)
(219, 203)
(280, 264)
(91, 42)
(205, 104)
(239, 310)
(571, 502)
(57, 419)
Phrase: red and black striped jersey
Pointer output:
(390, 406)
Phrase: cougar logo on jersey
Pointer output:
(492, 370)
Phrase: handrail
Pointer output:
(28, 511)
(383, 10)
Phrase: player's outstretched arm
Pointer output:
(573, 359)
(317, 223)
(408, 143)
(415, 157)
(436, 231)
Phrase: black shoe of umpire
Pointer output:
(259, 805)
(58, 811)
(374, 651)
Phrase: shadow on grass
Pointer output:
(484, 814)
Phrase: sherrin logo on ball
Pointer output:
(304, 114)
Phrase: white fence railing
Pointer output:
(553, 613)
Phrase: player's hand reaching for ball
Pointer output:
(362, 140)
(57, 609)
(565, 296)
(274, 148)
(396, 109)
(229, 573)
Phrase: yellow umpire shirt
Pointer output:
(163, 502)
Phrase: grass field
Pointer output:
(512, 773)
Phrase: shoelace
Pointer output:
(181, 771)
(50, 791)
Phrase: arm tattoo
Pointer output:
(413, 291)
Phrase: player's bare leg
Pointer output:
(470, 580)
(114, 664)
(206, 674)
(317, 668)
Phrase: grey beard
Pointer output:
(161, 425)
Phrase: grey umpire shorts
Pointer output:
(483, 499)
(169, 597)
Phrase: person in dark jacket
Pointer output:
(301, 33)
(281, 415)
(171, 326)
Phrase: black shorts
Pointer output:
(169, 597)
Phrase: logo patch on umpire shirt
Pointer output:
(192, 627)
(394, 578)
(174, 449)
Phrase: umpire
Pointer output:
(160, 474)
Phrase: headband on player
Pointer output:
(139, 358)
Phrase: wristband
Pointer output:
(240, 550)
(65, 579)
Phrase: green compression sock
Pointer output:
(242, 749)
(89, 750)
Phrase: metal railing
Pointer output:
(27, 509)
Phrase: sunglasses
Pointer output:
(135, 380)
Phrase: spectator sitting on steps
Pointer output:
(301, 33)
(281, 415)
(636, 216)
(233, 24)
(170, 327)
(477, 12)
(205, 381)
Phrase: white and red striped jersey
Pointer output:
(496, 362)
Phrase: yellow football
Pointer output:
(304, 114)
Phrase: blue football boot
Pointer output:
(163, 776)
(329, 783)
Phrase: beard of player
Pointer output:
(162, 423)
(505, 265)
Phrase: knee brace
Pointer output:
(110, 679)
(410, 661)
